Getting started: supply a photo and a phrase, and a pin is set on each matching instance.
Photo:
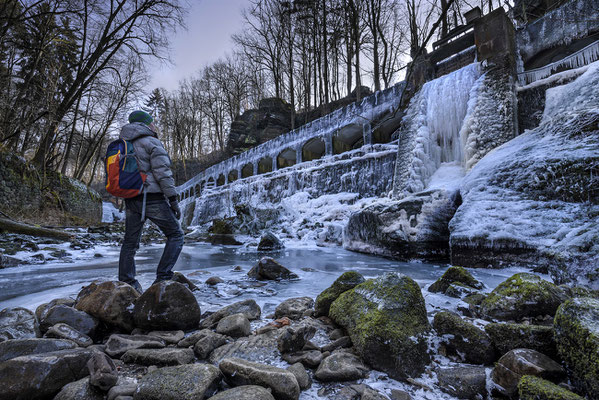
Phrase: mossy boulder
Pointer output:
(521, 296)
(577, 337)
(535, 388)
(464, 340)
(348, 280)
(506, 337)
(221, 227)
(387, 322)
(454, 275)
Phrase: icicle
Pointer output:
(581, 58)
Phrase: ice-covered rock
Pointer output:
(18, 323)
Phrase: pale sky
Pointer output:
(210, 24)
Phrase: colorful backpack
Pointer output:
(123, 177)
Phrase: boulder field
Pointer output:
(534, 339)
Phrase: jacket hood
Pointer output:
(136, 130)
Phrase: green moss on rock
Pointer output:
(454, 275)
(464, 340)
(534, 388)
(521, 296)
(576, 327)
(348, 280)
(387, 322)
(506, 337)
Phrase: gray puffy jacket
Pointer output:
(153, 158)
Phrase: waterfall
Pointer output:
(430, 136)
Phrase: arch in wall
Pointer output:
(210, 183)
(220, 181)
(313, 149)
(198, 190)
(232, 176)
(348, 138)
(286, 158)
(247, 170)
(265, 165)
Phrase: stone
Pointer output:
(117, 344)
(121, 389)
(513, 365)
(506, 337)
(171, 337)
(268, 269)
(40, 376)
(522, 295)
(348, 280)
(535, 388)
(259, 348)
(309, 358)
(283, 383)
(78, 320)
(193, 381)
(247, 307)
(64, 331)
(207, 342)
(294, 339)
(340, 343)
(463, 382)
(358, 392)
(269, 242)
(577, 340)
(110, 302)
(213, 280)
(42, 309)
(294, 308)
(341, 366)
(464, 340)
(303, 379)
(400, 395)
(17, 323)
(167, 305)
(454, 275)
(160, 357)
(79, 390)
(459, 290)
(182, 279)
(236, 325)
(102, 371)
(9, 262)
(246, 392)
(387, 322)
(23, 347)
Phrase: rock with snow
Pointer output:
(506, 337)
(248, 307)
(259, 348)
(236, 325)
(454, 275)
(179, 277)
(171, 337)
(117, 345)
(348, 280)
(294, 308)
(110, 302)
(18, 323)
(269, 242)
(269, 269)
(167, 305)
(463, 382)
(64, 331)
(195, 381)
(246, 392)
(160, 357)
(341, 366)
(22, 347)
(303, 379)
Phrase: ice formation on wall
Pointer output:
(430, 136)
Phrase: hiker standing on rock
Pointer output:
(158, 200)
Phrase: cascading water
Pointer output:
(430, 136)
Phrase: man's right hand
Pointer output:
(175, 207)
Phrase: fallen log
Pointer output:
(25, 229)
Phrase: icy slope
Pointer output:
(534, 199)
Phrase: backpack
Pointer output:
(123, 177)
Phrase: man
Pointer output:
(158, 203)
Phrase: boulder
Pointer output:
(309, 358)
(464, 340)
(348, 280)
(523, 295)
(454, 275)
(387, 321)
(463, 382)
(341, 366)
(42, 309)
(123, 388)
(261, 348)
(222, 239)
(194, 381)
(506, 337)
(79, 390)
(207, 342)
(358, 392)
(269, 242)
(78, 320)
(268, 269)
(182, 279)
(341, 343)
(236, 325)
(400, 395)
(167, 305)
(294, 308)
(24, 347)
(294, 339)
(17, 323)
(64, 331)
(239, 372)
(102, 371)
(535, 388)
(171, 337)
(577, 338)
(110, 302)
(247, 307)
(40, 376)
(246, 392)
(160, 357)
(213, 281)
(519, 362)
(459, 290)
(117, 344)
(303, 379)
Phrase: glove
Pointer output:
(175, 207)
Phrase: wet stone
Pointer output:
(64, 331)
(160, 357)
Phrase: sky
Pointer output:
(210, 24)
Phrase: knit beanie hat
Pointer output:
(140, 116)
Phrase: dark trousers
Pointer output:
(159, 212)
